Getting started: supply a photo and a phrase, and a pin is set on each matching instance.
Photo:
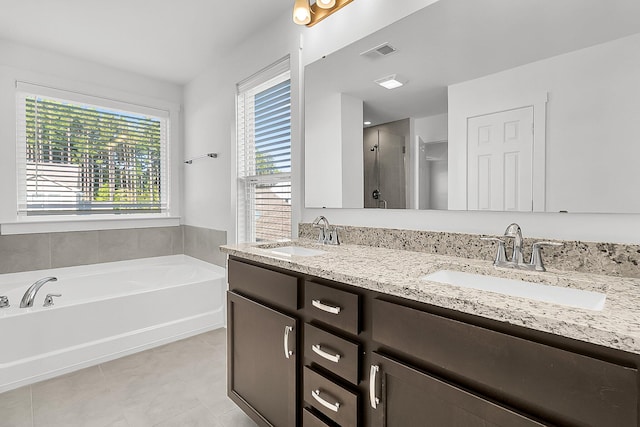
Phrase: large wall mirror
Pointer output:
(497, 105)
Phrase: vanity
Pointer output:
(352, 335)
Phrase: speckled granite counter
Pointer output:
(398, 272)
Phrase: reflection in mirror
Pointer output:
(503, 106)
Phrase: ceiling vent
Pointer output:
(382, 50)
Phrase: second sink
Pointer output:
(295, 251)
(536, 291)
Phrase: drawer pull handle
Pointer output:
(331, 406)
(287, 330)
(372, 386)
(335, 358)
(324, 307)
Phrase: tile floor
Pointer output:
(179, 384)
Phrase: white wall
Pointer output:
(22, 63)
(324, 154)
(351, 140)
(209, 117)
(591, 130)
(432, 176)
(209, 102)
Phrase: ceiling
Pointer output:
(452, 41)
(172, 40)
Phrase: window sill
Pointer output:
(73, 223)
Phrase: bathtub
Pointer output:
(106, 311)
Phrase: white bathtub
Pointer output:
(106, 311)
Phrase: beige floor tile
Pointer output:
(199, 416)
(236, 418)
(178, 384)
(216, 339)
(214, 396)
(15, 408)
(159, 404)
(134, 364)
(78, 399)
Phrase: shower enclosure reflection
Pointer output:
(384, 165)
(391, 156)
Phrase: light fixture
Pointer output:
(391, 82)
(325, 4)
(304, 14)
(301, 12)
(367, 123)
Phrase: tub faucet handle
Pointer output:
(4, 302)
(48, 300)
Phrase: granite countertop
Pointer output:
(398, 272)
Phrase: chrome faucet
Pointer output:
(30, 295)
(327, 235)
(324, 228)
(514, 232)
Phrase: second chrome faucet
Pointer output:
(328, 234)
(514, 232)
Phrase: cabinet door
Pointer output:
(406, 397)
(262, 353)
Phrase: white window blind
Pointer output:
(264, 155)
(80, 155)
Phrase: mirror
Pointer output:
(528, 105)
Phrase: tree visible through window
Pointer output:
(86, 159)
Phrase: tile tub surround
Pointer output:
(397, 272)
(178, 384)
(26, 252)
(203, 243)
(587, 257)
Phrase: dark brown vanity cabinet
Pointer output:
(262, 345)
(546, 382)
(402, 396)
(304, 351)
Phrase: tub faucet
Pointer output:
(30, 295)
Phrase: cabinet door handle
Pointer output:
(287, 330)
(331, 406)
(324, 307)
(335, 358)
(372, 386)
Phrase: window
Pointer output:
(86, 155)
(264, 155)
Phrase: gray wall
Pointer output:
(25, 252)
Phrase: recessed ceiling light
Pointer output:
(391, 82)
(367, 123)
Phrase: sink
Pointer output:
(536, 291)
(295, 251)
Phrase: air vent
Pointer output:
(382, 50)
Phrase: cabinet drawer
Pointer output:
(310, 420)
(331, 399)
(332, 352)
(333, 306)
(560, 385)
(277, 289)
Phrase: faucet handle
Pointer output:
(501, 255)
(536, 254)
(48, 300)
(334, 238)
(4, 302)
